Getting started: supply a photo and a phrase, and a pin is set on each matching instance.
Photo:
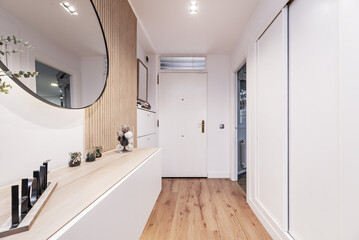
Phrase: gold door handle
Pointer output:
(202, 126)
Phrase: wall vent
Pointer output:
(183, 63)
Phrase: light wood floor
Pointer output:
(202, 209)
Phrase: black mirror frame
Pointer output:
(23, 86)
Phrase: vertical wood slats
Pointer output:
(117, 106)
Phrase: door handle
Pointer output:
(202, 126)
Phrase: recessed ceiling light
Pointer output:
(193, 9)
(68, 8)
(54, 84)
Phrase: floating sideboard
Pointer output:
(146, 129)
(111, 198)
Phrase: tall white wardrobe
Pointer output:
(303, 114)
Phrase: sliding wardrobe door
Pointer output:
(349, 117)
(270, 193)
(314, 123)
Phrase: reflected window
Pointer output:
(53, 84)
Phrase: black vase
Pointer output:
(91, 158)
(72, 163)
(98, 154)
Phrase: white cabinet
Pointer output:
(148, 141)
(121, 212)
(270, 187)
(315, 150)
(146, 129)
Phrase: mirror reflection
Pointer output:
(67, 50)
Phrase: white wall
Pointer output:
(349, 119)
(218, 155)
(152, 71)
(32, 131)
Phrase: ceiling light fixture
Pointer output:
(193, 9)
(54, 84)
(69, 9)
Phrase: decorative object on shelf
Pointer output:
(98, 151)
(4, 72)
(34, 194)
(125, 137)
(90, 156)
(145, 105)
(75, 159)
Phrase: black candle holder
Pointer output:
(31, 190)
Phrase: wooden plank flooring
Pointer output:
(202, 209)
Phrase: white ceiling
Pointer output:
(172, 30)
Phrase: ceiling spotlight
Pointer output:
(69, 9)
(54, 84)
(193, 9)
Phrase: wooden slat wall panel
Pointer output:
(117, 106)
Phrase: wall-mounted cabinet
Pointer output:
(146, 129)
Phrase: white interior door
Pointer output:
(182, 109)
(272, 118)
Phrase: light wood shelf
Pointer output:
(77, 189)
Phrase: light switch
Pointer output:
(221, 126)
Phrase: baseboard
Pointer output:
(218, 175)
(269, 224)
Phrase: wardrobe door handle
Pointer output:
(202, 126)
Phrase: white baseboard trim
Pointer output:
(276, 232)
(218, 175)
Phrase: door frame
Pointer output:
(206, 116)
(234, 132)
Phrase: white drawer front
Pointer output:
(149, 141)
(146, 123)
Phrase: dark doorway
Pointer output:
(242, 126)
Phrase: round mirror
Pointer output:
(55, 50)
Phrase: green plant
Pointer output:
(90, 154)
(74, 155)
(98, 151)
(5, 41)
